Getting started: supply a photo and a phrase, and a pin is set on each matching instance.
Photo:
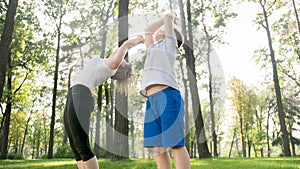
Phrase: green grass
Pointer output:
(213, 163)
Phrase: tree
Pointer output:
(263, 20)
(265, 24)
(55, 10)
(244, 102)
(6, 38)
(104, 17)
(238, 90)
(28, 53)
(121, 109)
(186, 105)
(217, 14)
(190, 62)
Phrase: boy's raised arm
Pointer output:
(149, 31)
(168, 24)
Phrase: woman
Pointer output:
(80, 102)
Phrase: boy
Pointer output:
(164, 119)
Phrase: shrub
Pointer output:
(64, 152)
(101, 153)
(15, 156)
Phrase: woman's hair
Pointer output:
(124, 78)
(178, 37)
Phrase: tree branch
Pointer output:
(21, 83)
(6, 4)
(290, 76)
(1, 108)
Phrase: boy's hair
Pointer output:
(124, 77)
(178, 37)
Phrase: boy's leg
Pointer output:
(181, 156)
(162, 158)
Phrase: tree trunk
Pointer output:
(268, 126)
(45, 134)
(91, 130)
(38, 144)
(51, 138)
(121, 109)
(121, 127)
(281, 114)
(109, 121)
(98, 120)
(249, 146)
(33, 144)
(7, 115)
(16, 144)
(133, 155)
(200, 130)
(292, 140)
(237, 148)
(192, 149)
(231, 145)
(99, 100)
(243, 137)
(211, 98)
(61, 13)
(6, 39)
(186, 111)
(25, 133)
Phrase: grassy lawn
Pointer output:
(213, 163)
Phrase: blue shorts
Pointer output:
(164, 119)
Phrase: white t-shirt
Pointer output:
(159, 64)
(95, 73)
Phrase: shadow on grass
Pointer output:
(71, 164)
(212, 163)
(247, 163)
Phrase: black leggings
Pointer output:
(80, 104)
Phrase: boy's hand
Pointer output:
(172, 16)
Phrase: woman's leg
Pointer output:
(83, 105)
(80, 165)
(91, 163)
(67, 112)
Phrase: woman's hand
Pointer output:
(124, 63)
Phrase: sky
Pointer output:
(243, 38)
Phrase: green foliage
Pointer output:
(64, 152)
